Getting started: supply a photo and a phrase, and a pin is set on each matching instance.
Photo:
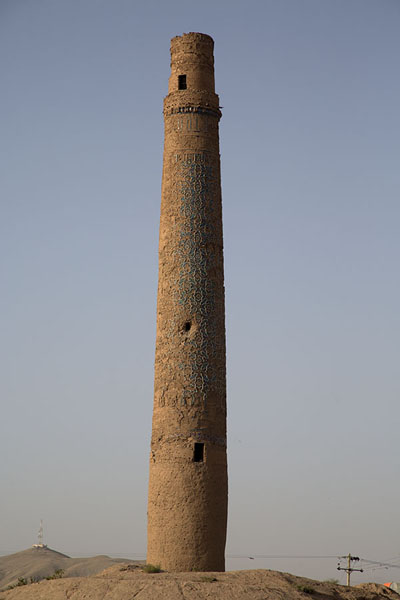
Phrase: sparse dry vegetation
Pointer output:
(151, 569)
(58, 574)
(306, 589)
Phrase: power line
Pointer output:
(278, 556)
(380, 564)
(373, 563)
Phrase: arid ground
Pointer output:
(128, 581)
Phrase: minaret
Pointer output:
(187, 507)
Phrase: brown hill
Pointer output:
(38, 563)
(125, 582)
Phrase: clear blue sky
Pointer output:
(310, 167)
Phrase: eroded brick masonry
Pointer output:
(187, 505)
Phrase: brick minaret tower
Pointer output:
(187, 508)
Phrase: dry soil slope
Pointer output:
(38, 563)
(126, 583)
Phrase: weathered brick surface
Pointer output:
(187, 506)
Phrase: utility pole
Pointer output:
(349, 569)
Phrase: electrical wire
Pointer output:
(278, 556)
(380, 564)
(367, 564)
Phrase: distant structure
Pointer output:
(40, 543)
(188, 490)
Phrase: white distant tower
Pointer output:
(40, 543)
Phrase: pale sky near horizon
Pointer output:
(310, 171)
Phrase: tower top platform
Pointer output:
(191, 37)
(192, 66)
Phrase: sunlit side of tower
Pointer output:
(187, 505)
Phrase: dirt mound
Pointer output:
(376, 587)
(129, 581)
(38, 563)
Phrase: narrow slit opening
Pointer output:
(187, 326)
(198, 452)
(181, 82)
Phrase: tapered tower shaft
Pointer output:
(187, 506)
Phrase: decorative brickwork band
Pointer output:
(187, 506)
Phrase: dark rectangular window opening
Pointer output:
(198, 452)
(181, 82)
